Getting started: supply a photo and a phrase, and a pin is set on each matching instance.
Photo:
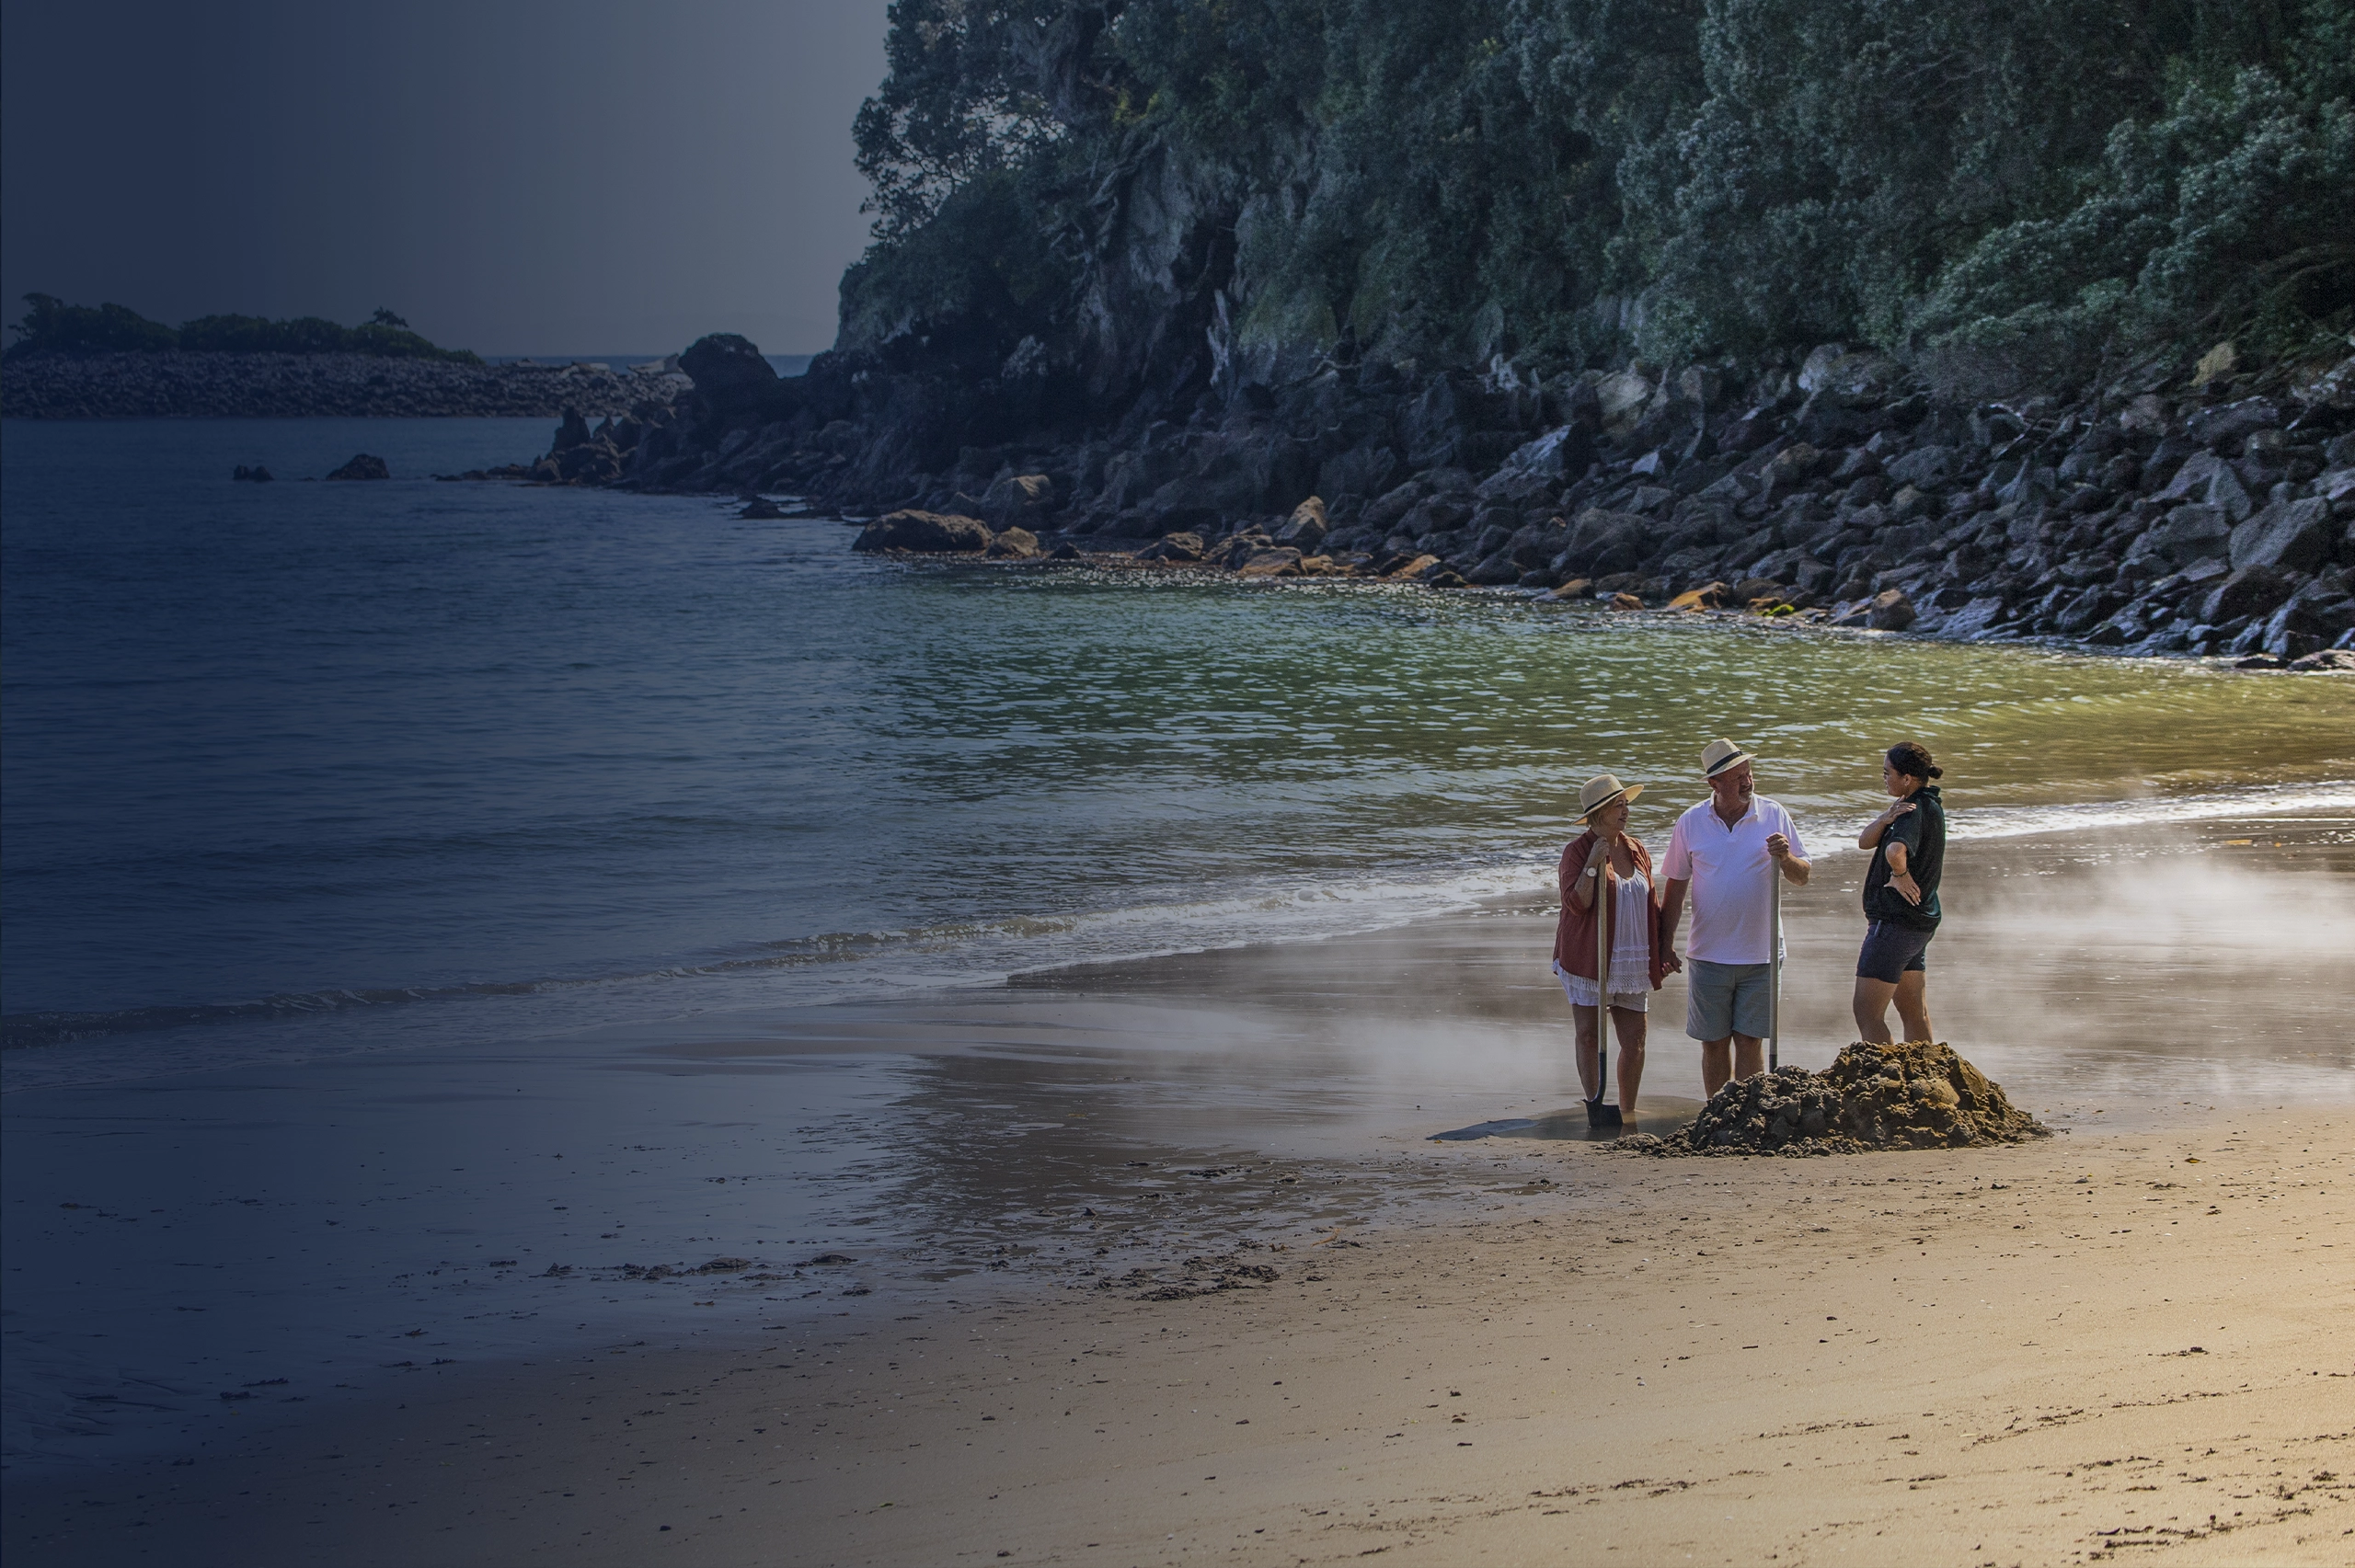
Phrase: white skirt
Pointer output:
(1582, 993)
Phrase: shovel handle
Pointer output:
(1774, 971)
(1603, 981)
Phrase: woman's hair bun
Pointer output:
(1912, 758)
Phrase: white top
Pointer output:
(1730, 872)
(1631, 934)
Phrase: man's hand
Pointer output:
(1778, 847)
(1906, 887)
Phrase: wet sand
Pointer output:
(2034, 1355)
(1193, 1202)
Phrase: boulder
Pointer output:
(1557, 454)
(1623, 601)
(1018, 498)
(1600, 542)
(2214, 427)
(2187, 533)
(1577, 588)
(257, 475)
(2295, 535)
(728, 371)
(362, 466)
(1283, 562)
(1924, 468)
(1621, 397)
(1307, 526)
(2249, 591)
(1014, 544)
(1891, 611)
(1974, 619)
(924, 532)
(2207, 479)
(1416, 569)
(2339, 659)
(1715, 596)
(571, 431)
(761, 508)
(1174, 547)
(1497, 571)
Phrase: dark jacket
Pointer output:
(1574, 934)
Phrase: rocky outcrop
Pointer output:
(925, 533)
(246, 385)
(2209, 515)
(364, 466)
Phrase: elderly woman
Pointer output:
(1606, 870)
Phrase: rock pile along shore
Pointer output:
(2182, 511)
(1916, 1096)
(255, 386)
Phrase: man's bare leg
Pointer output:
(1583, 1019)
(1629, 1025)
(1717, 1065)
(1872, 1009)
(1736, 1056)
(1914, 1004)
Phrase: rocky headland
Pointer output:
(179, 384)
(2182, 509)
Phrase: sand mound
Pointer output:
(1916, 1095)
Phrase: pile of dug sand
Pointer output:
(1916, 1096)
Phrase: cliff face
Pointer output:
(1557, 294)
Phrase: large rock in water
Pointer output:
(728, 371)
(362, 466)
(927, 532)
(1916, 1096)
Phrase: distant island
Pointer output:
(72, 361)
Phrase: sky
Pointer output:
(513, 177)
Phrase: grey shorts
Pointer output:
(1728, 998)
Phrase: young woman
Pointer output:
(1607, 863)
(1909, 845)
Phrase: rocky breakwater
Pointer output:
(2182, 509)
(259, 385)
(1914, 1095)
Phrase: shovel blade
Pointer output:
(1599, 1114)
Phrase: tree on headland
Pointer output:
(52, 327)
(1996, 189)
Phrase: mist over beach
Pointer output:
(860, 865)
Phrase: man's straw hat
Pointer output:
(1601, 791)
(1719, 755)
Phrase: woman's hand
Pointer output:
(1906, 887)
(1599, 855)
(1896, 810)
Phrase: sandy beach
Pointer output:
(2045, 1354)
(1158, 1261)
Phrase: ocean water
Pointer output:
(306, 767)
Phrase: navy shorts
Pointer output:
(1890, 950)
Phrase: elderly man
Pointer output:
(1724, 853)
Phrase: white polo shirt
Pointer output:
(1729, 869)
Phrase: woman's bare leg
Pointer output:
(1629, 1025)
(1872, 1009)
(1583, 1019)
(1914, 1005)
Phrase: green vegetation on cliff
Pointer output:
(52, 325)
(1159, 190)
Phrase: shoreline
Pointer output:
(1733, 1358)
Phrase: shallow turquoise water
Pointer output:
(281, 756)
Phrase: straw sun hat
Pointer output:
(1719, 755)
(1601, 791)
